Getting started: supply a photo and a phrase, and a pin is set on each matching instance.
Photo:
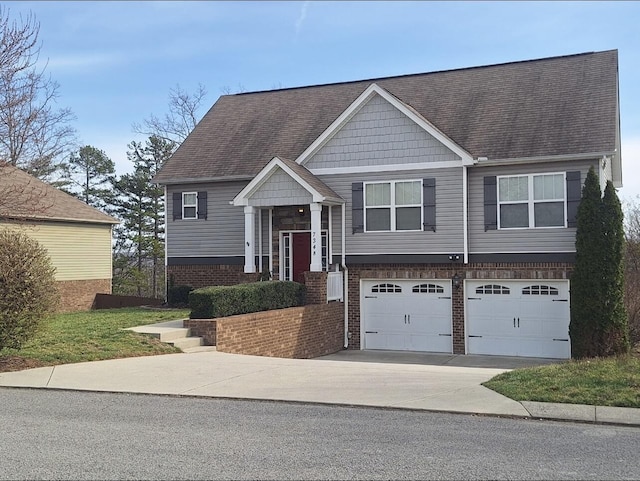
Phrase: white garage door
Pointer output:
(406, 315)
(518, 318)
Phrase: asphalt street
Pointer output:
(83, 435)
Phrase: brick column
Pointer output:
(316, 283)
(457, 305)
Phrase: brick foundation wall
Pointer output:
(204, 328)
(198, 276)
(80, 295)
(510, 271)
(297, 332)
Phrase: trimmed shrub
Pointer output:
(222, 301)
(27, 284)
(178, 296)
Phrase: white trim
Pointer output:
(465, 214)
(265, 174)
(281, 235)
(445, 164)
(538, 160)
(249, 239)
(195, 206)
(400, 253)
(531, 201)
(522, 252)
(358, 103)
(166, 248)
(392, 205)
(330, 236)
(271, 242)
(260, 266)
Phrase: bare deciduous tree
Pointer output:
(632, 267)
(181, 119)
(34, 133)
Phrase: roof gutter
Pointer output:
(201, 180)
(485, 162)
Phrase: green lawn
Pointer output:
(91, 336)
(611, 381)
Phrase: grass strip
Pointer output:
(95, 335)
(613, 381)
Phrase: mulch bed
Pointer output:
(15, 363)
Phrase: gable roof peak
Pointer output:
(417, 74)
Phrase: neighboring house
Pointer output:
(76, 236)
(449, 198)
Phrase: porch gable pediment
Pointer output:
(283, 182)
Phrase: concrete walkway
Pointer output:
(435, 382)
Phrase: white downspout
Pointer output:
(346, 277)
(260, 268)
(271, 242)
(465, 208)
(166, 257)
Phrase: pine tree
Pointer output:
(140, 205)
(587, 280)
(92, 168)
(613, 331)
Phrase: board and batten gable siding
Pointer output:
(518, 240)
(379, 134)
(78, 251)
(447, 238)
(280, 189)
(220, 235)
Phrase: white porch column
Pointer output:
(249, 240)
(316, 237)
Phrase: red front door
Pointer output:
(301, 247)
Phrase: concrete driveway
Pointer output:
(362, 378)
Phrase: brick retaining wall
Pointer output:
(297, 332)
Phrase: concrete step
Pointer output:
(189, 350)
(187, 342)
(168, 335)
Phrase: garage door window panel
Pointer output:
(532, 201)
(493, 289)
(388, 288)
(428, 288)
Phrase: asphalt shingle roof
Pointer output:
(545, 107)
(25, 197)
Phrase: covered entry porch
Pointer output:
(294, 223)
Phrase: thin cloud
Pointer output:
(77, 62)
(302, 17)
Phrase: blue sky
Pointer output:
(116, 61)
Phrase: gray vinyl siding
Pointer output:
(280, 189)
(448, 237)
(379, 134)
(221, 234)
(606, 175)
(517, 240)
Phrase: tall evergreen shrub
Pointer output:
(598, 324)
(587, 280)
(613, 331)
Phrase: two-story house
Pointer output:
(448, 198)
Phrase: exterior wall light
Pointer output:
(456, 279)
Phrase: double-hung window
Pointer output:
(189, 205)
(393, 206)
(530, 201)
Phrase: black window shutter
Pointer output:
(574, 195)
(177, 205)
(202, 205)
(357, 207)
(429, 203)
(490, 203)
